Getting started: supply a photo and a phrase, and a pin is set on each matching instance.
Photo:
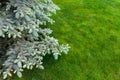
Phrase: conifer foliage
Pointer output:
(23, 40)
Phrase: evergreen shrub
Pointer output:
(23, 39)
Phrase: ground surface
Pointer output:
(92, 28)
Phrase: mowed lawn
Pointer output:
(92, 29)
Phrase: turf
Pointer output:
(92, 28)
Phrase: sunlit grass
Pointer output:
(92, 28)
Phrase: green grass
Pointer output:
(92, 28)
